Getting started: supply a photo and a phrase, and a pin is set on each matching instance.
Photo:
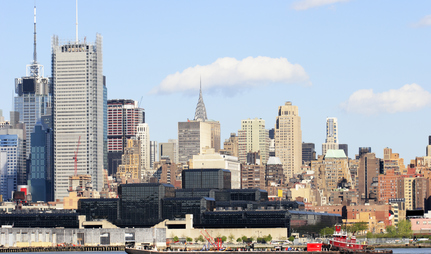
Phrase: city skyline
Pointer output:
(333, 52)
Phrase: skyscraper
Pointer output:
(33, 94)
(123, 119)
(169, 149)
(331, 142)
(78, 91)
(143, 135)
(253, 137)
(200, 133)
(288, 139)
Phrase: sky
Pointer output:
(365, 62)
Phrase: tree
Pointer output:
(291, 238)
(267, 238)
(223, 239)
(231, 237)
(327, 231)
(189, 239)
(238, 240)
(251, 239)
(176, 239)
(244, 238)
(404, 228)
(391, 231)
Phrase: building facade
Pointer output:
(124, 116)
(331, 142)
(288, 139)
(78, 95)
(253, 137)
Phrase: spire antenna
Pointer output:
(201, 112)
(76, 36)
(34, 50)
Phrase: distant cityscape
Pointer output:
(66, 146)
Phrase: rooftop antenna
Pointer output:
(34, 69)
(34, 50)
(76, 21)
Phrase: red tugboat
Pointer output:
(342, 243)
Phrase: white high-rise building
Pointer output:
(288, 139)
(331, 142)
(143, 134)
(78, 90)
(253, 137)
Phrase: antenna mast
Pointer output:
(34, 50)
(76, 21)
(34, 69)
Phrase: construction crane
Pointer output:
(76, 156)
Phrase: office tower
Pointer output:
(130, 168)
(215, 134)
(33, 95)
(288, 139)
(230, 145)
(368, 172)
(210, 159)
(123, 119)
(105, 128)
(169, 149)
(253, 137)
(331, 141)
(153, 153)
(143, 135)
(78, 94)
(41, 166)
(12, 161)
(308, 152)
(17, 130)
(193, 136)
(197, 134)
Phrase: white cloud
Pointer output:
(229, 73)
(307, 4)
(425, 21)
(406, 99)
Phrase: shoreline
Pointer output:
(62, 248)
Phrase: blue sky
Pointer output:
(365, 62)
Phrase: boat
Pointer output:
(342, 243)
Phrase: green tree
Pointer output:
(189, 239)
(327, 231)
(175, 239)
(268, 238)
(405, 228)
(244, 238)
(251, 239)
(391, 231)
(370, 235)
(223, 239)
(291, 238)
(238, 240)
